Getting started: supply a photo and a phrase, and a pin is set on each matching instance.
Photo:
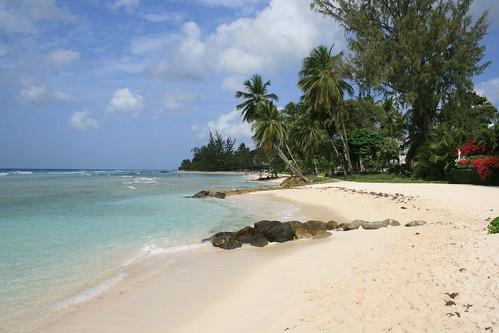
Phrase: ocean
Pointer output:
(68, 235)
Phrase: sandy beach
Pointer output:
(440, 277)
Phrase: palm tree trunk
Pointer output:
(346, 150)
(338, 154)
(294, 169)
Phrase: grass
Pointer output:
(386, 178)
(494, 226)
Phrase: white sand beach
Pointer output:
(440, 277)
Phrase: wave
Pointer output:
(153, 250)
(90, 293)
(4, 174)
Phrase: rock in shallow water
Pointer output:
(226, 241)
(245, 235)
(264, 225)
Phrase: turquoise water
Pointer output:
(62, 233)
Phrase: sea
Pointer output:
(66, 236)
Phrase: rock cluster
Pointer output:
(292, 181)
(267, 231)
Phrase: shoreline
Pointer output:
(362, 266)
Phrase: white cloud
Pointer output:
(81, 120)
(124, 100)
(176, 101)
(40, 93)
(228, 124)
(22, 16)
(233, 83)
(275, 39)
(489, 89)
(129, 5)
(62, 57)
(186, 55)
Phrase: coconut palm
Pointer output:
(270, 135)
(323, 81)
(256, 93)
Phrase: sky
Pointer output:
(138, 83)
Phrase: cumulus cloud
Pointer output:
(124, 100)
(81, 120)
(233, 83)
(276, 38)
(489, 89)
(62, 57)
(40, 93)
(228, 124)
(22, 16)
(186, 55)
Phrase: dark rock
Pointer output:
(264, 225)
(259, 240)
(218, 234)
(292, 182)
(352, 225)
(299, 229)
(374, 225)
(322, 234)
(392, 222)
(280, 233)
(226, 241)
(219, 195)
(415, 223)
(245, 235)
(315, 227)
(201, 194)
(332, 225)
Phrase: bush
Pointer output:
(494, 226)
(470, 176)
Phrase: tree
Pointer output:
(323, 82)
(256, 93)
(423, 52)
(270, 135)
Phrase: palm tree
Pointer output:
(323, 81)
(270, 135)
(308, 134)
(256, 93)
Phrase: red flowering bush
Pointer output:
(471, 147)
(486, 166)
(464, 163)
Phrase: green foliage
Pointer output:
(435, 159)
(383, 178)
(219, 155)
(256, 93)
(494, 226)
(424, 53)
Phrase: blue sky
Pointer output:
(138, 83)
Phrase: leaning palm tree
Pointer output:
(323, 81)
(270, 135)
(256, 93)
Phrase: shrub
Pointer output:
(486, 166)
(494, 226)
(471, 147)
